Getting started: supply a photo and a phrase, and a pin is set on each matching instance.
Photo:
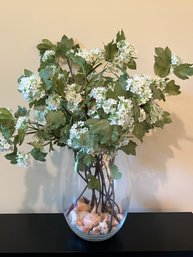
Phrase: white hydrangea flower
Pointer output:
(47, 55)
(73, 97)
(99, 94)
(109, 105)
(31, 88)
(23, 159)
(140, 85)
(22, 122)
(53, 102)
(40, 116)
(160, 83)
(4, 145)
(142, 116)
(175, 60)
(126, 52)
(123, 115)
(91, 56)
(76, 131)
(156, 112)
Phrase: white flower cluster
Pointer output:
(73, 97)
(126, 52)
(99, 94)
(123, 114)
(31, 88)
(175, 60)
(22, 122)
(4, 145)
(48, 54)
(23, 159)
(140, 86)
(76, 131)
(156, 112)
(120, 112)
(53, 102)
(142, 115)
(94, 55)
(40, 115)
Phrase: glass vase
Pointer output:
(95, 201)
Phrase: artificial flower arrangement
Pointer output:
(87, 100)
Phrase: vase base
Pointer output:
(94, 237)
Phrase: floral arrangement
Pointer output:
(87, 100)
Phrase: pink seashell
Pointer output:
(91, 220)
(103, 226)
(82, 214)
(82, 206)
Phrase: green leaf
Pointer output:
(93, 182)
(120, 36)
(110, 51)
(103, 130)
(132, 65)
(140, 129)
(115, 172)
(7, 119)
(38, 154)
(183, 71)
(46, 75)
(55, 119)
(157, 93)
(172, 88)
(162, 61)
(19, 138)
(130, 148)
(27, 73)
(12, 157)
(65, 45)
(89, 159)
(45, 45)
(22, 111)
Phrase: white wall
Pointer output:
(162, 171)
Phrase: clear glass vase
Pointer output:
(96, 214)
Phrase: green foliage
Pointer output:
(89, 102)
(38, 154)
(115, 172)
(93, 182)
(162, 61)
(130, 148)
(55, 119)
(183, 71)
(172, 88)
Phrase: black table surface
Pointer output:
(143, 234)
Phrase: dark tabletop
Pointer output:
(142, 234)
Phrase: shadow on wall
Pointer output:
(42, 183)
(148, 168)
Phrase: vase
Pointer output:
(95, 201)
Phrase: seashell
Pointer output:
(84, 229)
(120, 216)
(83, 206)
(95, 231)
(82, 214)
(91, 220)
(103, 227)
(115, 222)
(104, 216)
